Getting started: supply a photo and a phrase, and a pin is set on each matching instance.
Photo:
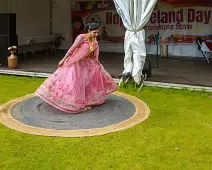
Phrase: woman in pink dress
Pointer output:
(80, 81)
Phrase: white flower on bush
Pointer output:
(12, 49)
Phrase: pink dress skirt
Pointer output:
(72, 89)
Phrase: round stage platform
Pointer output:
(32, 115)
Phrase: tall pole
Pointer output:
(50, 17)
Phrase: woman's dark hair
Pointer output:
(92, 26)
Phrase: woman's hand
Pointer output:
(60, 64)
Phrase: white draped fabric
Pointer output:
(135, 14)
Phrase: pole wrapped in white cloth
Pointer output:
(135, 14)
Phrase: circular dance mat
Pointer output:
(32, 115)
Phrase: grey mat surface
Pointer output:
(36, 112)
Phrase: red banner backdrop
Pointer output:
(177, 21)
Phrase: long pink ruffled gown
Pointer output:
(81, 82)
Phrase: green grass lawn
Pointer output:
(179, 119)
